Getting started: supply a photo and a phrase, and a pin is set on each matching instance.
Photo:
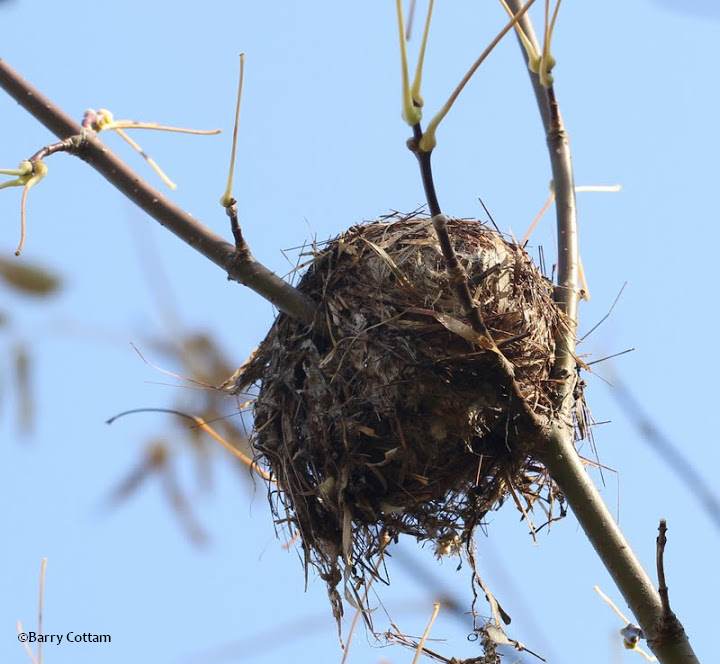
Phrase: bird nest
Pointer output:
(386, 416)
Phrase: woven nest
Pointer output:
(386, 416)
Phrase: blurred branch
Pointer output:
(237, 453)
(23, 387)
(561, 457)
(240, 266)
(670, 453)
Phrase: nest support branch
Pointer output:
(459, 280)
(561, 458)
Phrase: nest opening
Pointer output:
(386, 416)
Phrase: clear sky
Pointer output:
(322, 146)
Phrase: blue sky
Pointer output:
(321, 148)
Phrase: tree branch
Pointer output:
(567, 289)
(660, 563)
(240, 266)
(561, 457)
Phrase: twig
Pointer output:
(428, 141)
(610, 357)
(243, 268)
(612, 605)
(459, 278)
(605, 317)
(669, 629)
(660, 561)
(361, 610)
(20, 628)
(421, 144)
(426, 633)
(410, 21)
(487, 212)
(567, 290)
(631, 633)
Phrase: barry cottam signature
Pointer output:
(68, 637)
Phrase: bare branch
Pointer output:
(660, 561)
(669, 628)
(459, 279)
(240, 267)
(567, 291)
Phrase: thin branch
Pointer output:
(426, 633)
(610, 357)
(23, 642)
(567, 290)
(410, 21)
(605, 317)
(660, 562)
(422, 144)
(227, 195)
(425, 163)
(459, 280)
(669, 629)
(243, 268)
(428, 142)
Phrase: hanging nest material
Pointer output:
(386, 416)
